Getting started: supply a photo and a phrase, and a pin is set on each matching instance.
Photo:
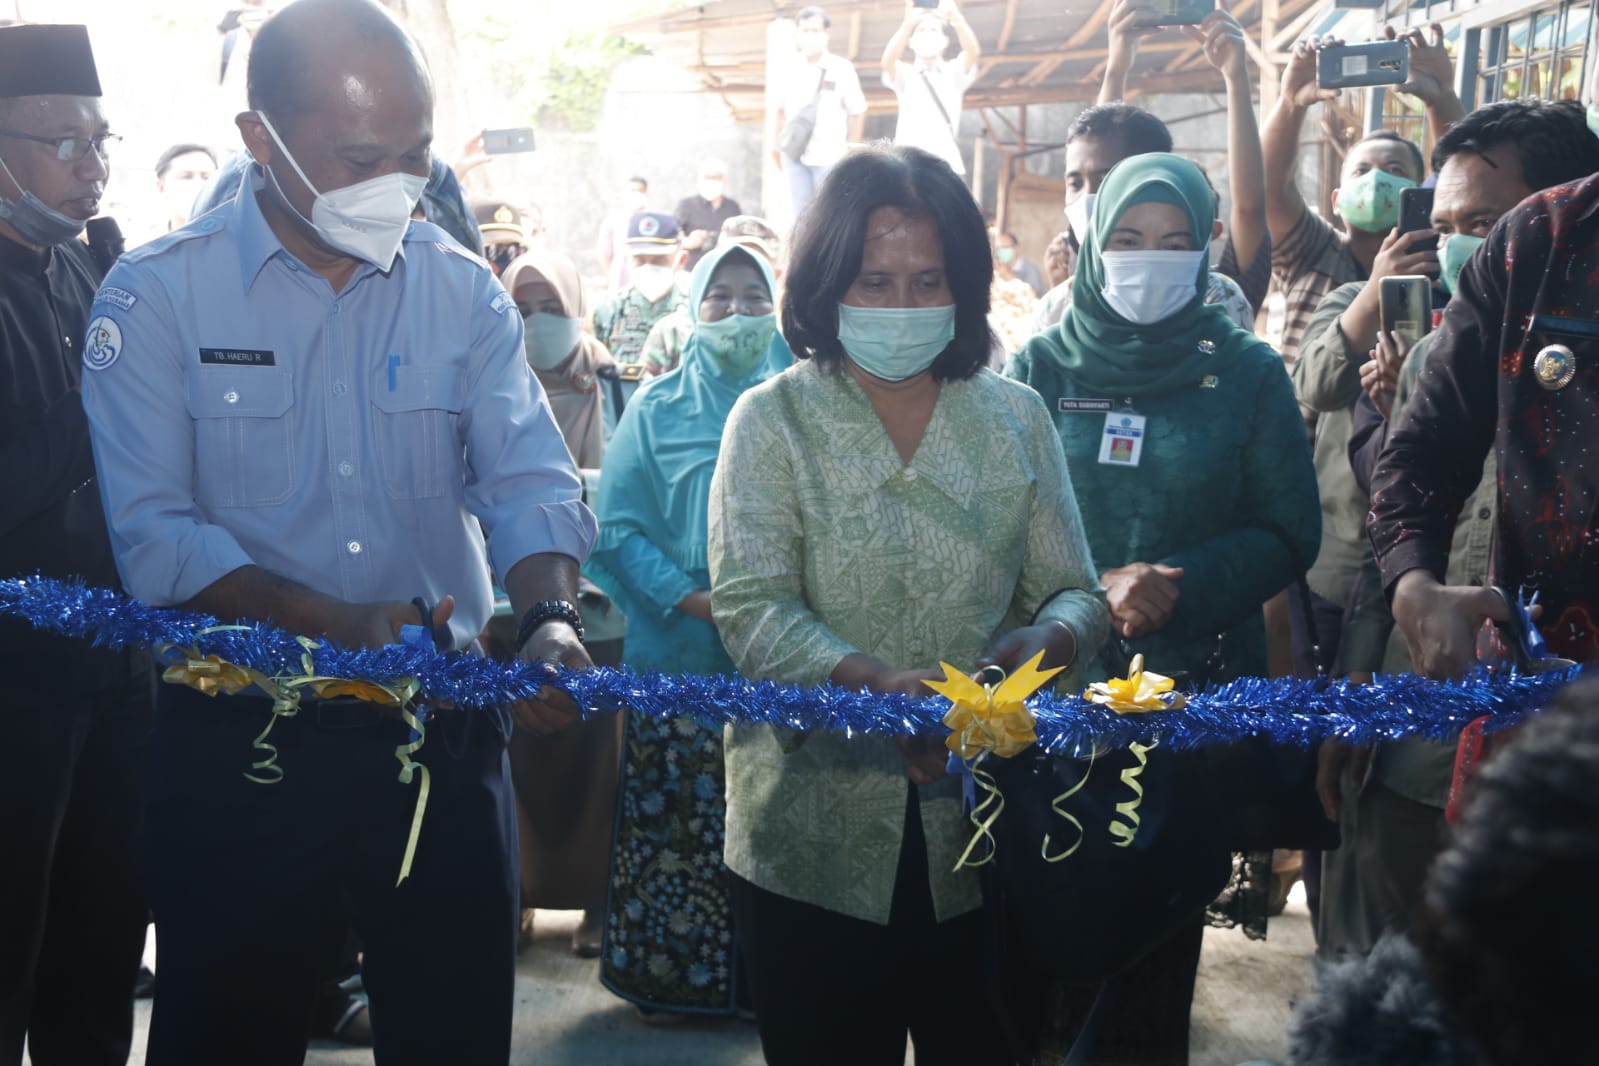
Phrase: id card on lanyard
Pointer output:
(1122, 443)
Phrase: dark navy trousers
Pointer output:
(253, 884)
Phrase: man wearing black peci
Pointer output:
(72, 911)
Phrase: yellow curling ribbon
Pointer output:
(988, 720)
(1126, 831)
(408, 771)
(1055, 805)
(983, 815)
(1142, 690)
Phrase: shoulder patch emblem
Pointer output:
(113, 295)
(502, 303)
(102, 344)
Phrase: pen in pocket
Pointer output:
(394, 372)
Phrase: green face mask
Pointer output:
(1453, 251)
(738, 343)
(1593, 118)
(1371, 201)
(1005, 255)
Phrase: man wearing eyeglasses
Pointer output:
(72, 908)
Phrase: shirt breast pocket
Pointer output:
(243, 440)
(418, 451)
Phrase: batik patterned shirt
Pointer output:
(824, 543)
(1515, 368)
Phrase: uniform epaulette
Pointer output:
(204, 226)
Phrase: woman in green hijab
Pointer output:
(1193, 474)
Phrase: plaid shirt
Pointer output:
(1312, 261)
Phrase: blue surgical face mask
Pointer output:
(895, 343)
(737, 344)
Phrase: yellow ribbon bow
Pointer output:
(983, 719)
(1141, 690)
(988, 720)
(211, 674)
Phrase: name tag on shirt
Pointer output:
(237, 357)
(1067, 405)
(1122, 443)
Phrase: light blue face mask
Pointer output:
(1453, 253)
(737, 344)
(895, 343)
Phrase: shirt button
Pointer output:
(339, 388)
(354, 547)
(1485, 514)
(346, 468)
(910, 473)
(231, 396)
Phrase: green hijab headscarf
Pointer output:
(1105, 352)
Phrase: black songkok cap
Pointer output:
(47, 60)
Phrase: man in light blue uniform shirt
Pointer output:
(309, 409)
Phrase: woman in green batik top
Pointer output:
(884, 504)
(1195, 481)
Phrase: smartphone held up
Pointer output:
(1174, 12)
(508, 141)
(1359, 66)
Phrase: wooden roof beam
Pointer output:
(1008, 26)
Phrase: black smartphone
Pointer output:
(1355, 66)
(507, 142)
(1415, 212)
(1175, 12)
(1406, 306)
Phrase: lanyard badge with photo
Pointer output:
(1122, 443)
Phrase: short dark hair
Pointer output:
(1504, 936)
(1136, 130)
(813, 12)
(831, 238)
(1390, 135)
(642, 183)
(278, 77)
(1553, 140)
(164, 164)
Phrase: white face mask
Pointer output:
(1079, 214)
(1150, 287)
(812, 42)
(549, 339)
(711, 188)
(366, 220)
(653, 281)
(928, 45)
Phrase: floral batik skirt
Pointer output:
(668, 940)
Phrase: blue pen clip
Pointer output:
(394, 372)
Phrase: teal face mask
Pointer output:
(895, 343)
(1453, 251)
(737, 344)
(1371, 201)
(1593, 118)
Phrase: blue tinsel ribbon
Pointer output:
(1286, 710)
